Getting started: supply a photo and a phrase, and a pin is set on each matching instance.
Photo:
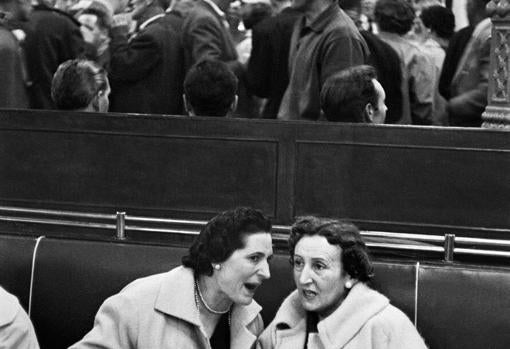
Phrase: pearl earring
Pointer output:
(348, 284)
(217, 267)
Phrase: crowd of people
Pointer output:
(207, 302)
(387, 61)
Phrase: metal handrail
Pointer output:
(166, 220)
(448, 241)
(57, 212)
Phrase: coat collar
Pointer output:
(179, 284)
(336, 330)
(9, 305)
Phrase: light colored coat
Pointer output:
(16, 330)
(364, 320)
(159, 311)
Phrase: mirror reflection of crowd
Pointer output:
(281, 53)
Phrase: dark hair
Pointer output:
(255, 13)
(355, 259)
(76, 82)
(221, 236)
(345, 94)
(210, 87)
(104, 21)
(439, 19)
(394, 16)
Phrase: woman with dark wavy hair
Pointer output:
(333, 307)
(205, 303)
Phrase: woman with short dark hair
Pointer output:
(333, 307)
(206, 303)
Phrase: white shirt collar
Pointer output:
(215, 8)
(150, 20)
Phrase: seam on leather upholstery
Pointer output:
(32, 272)
(416, 284)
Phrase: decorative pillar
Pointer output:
(497, 113)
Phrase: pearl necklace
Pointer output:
(198, 294)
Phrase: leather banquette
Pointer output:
(62, 283)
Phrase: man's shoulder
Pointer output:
(53, 16)
(342, 25)
(200, 11)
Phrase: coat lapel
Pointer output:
(184, 291)
(242, 317)
(359, 306)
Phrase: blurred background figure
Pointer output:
(16, 329)
(55, 38)
(210, 89)
(95, 27)
(383, 58)
(268, 67)
(80, 85)
(395, 19)
(354, 95)
(147, 67)
(467, 91)
(438, 23)
(418, 30)
(13, 93)
(251, 12)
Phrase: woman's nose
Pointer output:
(305, 276)
(264, 270)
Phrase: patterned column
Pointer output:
(497, 113)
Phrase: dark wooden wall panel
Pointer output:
(399, 178)
(416, 184)
(142, 172)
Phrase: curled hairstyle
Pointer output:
(346, 93)
(221, 236)
(355, 259)
(439, 19)
(394, 16)
(76, 82)
(210, 87)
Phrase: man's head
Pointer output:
(18, 9)
(476, 10)
(354, 95)
(394, 16)
(80, 84)
(95, 26)
(439, 20)
(210, 89)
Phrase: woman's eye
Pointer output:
(298, 264)
(319, 266)
(255, 259)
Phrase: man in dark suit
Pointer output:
(206, 35)
(54, 37)
(147, 71)
(268, 68)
